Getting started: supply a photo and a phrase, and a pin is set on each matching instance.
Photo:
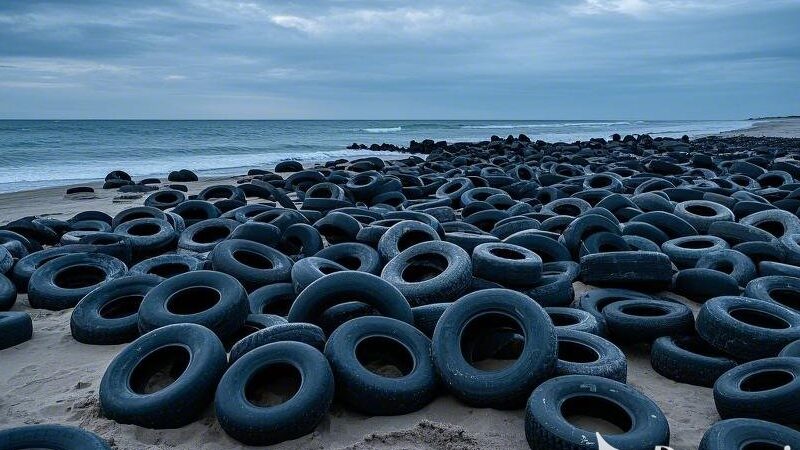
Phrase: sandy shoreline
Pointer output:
(54, 379)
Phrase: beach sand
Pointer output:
(54, 379)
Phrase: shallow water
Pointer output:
(38, 153)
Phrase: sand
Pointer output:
(54, 379)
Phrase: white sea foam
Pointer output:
(383, 130)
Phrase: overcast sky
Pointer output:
(386, 59)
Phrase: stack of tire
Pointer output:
(385, 284)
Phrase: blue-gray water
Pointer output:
(38, 153)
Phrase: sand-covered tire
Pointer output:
(311, 269)
(214, 300)
(485, 311)
(110, 314)
(193, 357)
(633, 270)
(16, 327)
(689, 359)
(353, 256)
(581, 353)
(565, 318)
(273, 299)
(253, 264)
(506, 264)
(349, 286)
(50, 437)
(306, 333)
(731, 262)
(779, 289)
(148, 237)
(765, 389)
(702, 213)
(252, 421)
(430, 272)
(427, 316)
(644, 320)
(382, 366)
(547, 427)
(167, 266)
(747, 328)
(749, 433)
(686, 251)
(63, 282)
(202, 237)
(8, 293)
(554, 288)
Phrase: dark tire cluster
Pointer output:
(383, 284)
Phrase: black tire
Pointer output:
(689, 359)
(148, 237)
(747, 328)
(212, 299)
(24, 269)
(253, 324)
(634, 270)
(772, 268)
(353, 256)
(137, 212)
(776, 222)
(338, 227)
(699, 285)
(584, 226)
(202, 237)
(573, 319)
(64, 281)
(8, 293)
(641, 320)
(15, 328)
(110, 314)
(547, 428)
(749, 433)
(702, 213)
(554, 288)
(737, 233)
(263, 233)
(252, 422)
(309, 270)
(56, 437)
(222, 191)
(403, 235)
(302, 240)
(596, 300)
(792, 349)
(194, 211)
(273, 299)
(766, 389)
(430, 272)
(582, 353)
(731, 262)
(686, 251)
(289, 166)
(111, 244)
(670, 224)
(427, 316)
(382, 366)
(297, 332)
(167, 266)
(778, 289)
(485, 311)
(506, 264)
(349, 286)
(469, 240)
(548, 249)
(165, 199)
(253, 264)
(192, 356)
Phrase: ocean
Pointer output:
(41, 153)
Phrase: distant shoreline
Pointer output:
(774, 118)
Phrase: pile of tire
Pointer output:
(383, 284)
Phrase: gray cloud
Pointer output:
(399, 59)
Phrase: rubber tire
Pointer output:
(296, 417)
(610, 362)
(634, 270)
(739, 433)
(273, 299)
(546, 428)
(297, 332)
(775, 403)
(55, 437)
(506, 264)
(574, 319)
(371, 393)
(778, 289)
(626, 326)
(268, 267)
(502, 389)
(311, 269)
(167, 266)
(689, 359)
(43, 293)
(16, 327)
(353, 256)
(182, 401)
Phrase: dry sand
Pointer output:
(54, 379)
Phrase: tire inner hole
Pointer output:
(424, 267)
(169, 270)
(766, 380)
(576, 352)
(77, 277)
(786, 297)
(412, 237)
(384, 356)
(159, 369)
(563, 320)
(492, 341)
(596, 414)
(506, 253)
(193, 300)
(759, 319)
(273, 385)
(701, 210)
(252, 259)
(121, 307)
(211, 234)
